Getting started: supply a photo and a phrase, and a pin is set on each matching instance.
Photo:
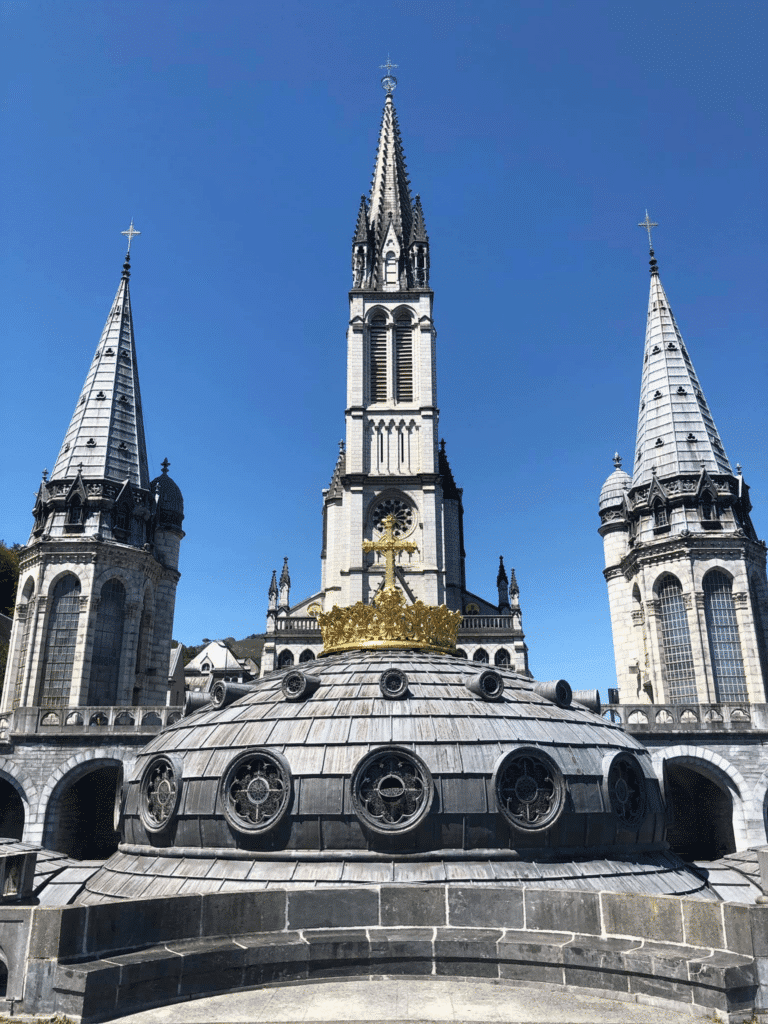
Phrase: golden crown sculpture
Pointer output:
(389, 622)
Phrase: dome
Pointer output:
(169, 503)
(614, 488)
(391, 766)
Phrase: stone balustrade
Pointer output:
(736, 716)
(39, 721)
(304, 624)
(470, 623)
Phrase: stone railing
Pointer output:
(91, 720)
(734, 716)
(469, 623)
(304, 623)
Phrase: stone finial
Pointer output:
(285, 579)
(342, 447)
(165, 465)
(513, 587)
(273, 584)
(617, 460)
(501, 578)
(45, 474)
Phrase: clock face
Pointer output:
(405, 517)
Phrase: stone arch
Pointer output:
(376, 312)
(756, 810)
(24, 788)
(62, 780)
(285, 658)
(716, 769)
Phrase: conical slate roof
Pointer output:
(106, 433)
(675, 430)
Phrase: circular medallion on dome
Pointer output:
(160, 792)
(393, 684)
(392, 790)
(256, 790)
(529, 789)
(626, 790)
(405, 518)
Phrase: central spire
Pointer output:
(390, 244)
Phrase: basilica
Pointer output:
(395, 793)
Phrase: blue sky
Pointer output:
(240, 136)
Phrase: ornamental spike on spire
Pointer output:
(106, 433)
(676, 433)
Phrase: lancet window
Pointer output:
(724, 642)
(61, 640)
(25, 610)
(108, 644)
(679, 675)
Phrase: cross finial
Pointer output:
(165, 465)
(648, 224)
(389, 82)
(131, 234)
(388, 545)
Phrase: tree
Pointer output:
(9, 576)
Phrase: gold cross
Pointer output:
(388, 545)
(648, 224)
(131, 233)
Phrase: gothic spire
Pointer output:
(675, 430)
(106, 432)
(390, 189)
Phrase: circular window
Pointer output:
(160, 792)
(393, 684)
(405, 517)
(256, 790)
(392, 790)
(529, 789)
(626, 790)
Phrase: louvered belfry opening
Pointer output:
(404, 358)
(378, 351)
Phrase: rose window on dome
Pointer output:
(392, 790)
(405, 519)
(626, 787)
(256, 791)
(160, 790)
(529, 790)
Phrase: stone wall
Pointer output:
(102, 960)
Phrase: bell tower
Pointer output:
(686, 572)
(97, 583)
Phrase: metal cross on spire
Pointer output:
(131, 234)
(648, 224)
(389, 81)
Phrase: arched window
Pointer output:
(404, 358)
(723, 632)
(760, 628)
(60, 642)
(285, 659)
(24, 610)
(460, 653)
(306, 656)
(501, 658)
(391, 267)
(107, 645)
(480, 655)
(75, 513)
(708, 511)
(679, 676)
(377, 333)
(660, 516)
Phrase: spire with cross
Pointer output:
(389, 81)
(648, 224)
(388, 546)
(130, 234)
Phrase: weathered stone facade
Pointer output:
(94, 613)
(686, 576)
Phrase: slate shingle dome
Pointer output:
(168, 500)
(615, 487)
(347, 785)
